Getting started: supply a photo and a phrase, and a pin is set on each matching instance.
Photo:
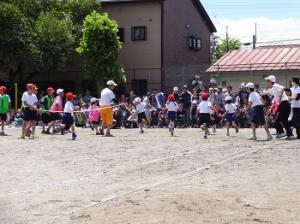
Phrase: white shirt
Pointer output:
(276, 92)
(171, 106)
(107, 95)
(255, 99)
(204, 107)
(69, 107)
(29, 99)
(140, 108)
(230, 108)
(295, 92)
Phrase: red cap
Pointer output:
(50, 89)
(69, 96)
(204, 96)
(171, 97)
(3, 89)
(30, 86)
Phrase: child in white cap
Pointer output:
(140, 109)
(94, 115)
(229, 116)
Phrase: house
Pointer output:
(165, 42)
(254, 65)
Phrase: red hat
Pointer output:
(50, 89)
(171, 97)
(69, 96)
(30, 86)
(3, 88)
(204, 96)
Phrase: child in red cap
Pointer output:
(172, 112)
(5, 104)
(203, 111)
(68, 116)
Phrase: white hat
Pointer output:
(137, 100)
(59, 91)
(111, 83)
(250, 85)
(227, 98)
(271, 78)
(243, 84)
(175, 88)
(93, 100)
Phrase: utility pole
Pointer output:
(227, 39)
(255, 37)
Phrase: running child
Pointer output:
(229, 116)
(140, 109)
(56, 110)
(203, 111)
(94, 115)
(5, 104)
(172, 109)
(68, 116)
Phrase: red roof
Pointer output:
(264, 58)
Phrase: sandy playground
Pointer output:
(149, 179)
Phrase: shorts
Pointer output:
(55, 116)
(204, 119)
(172, 115)
(46, 118)
(258, 115)
(67, 120)
(141, 117)
(3, 117)
(230, 117)
(30, 115)
(106, 114)
(95, 122)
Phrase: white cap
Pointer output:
(111, 83)
(175, 89)
(227, 98)
(59, 91)
(250, 85)
(137, 100)
(93, 100)
(243, 84)
(271, 78)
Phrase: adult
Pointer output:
(242, 96)
(131, 97)
(212, 96)
(220, 96)
(283, 110)
(176, 94)
(186, 98)
(56, 110)
(107, 98)
(87, 97)
(230, 93)
(296, 105)
(29, 103)
(158, 100)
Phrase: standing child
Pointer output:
(68, 116)
(203, 111)
(4, 107)
(140, 109)
(94, 115)
(172, 109)
(47, 102)
(229, 115)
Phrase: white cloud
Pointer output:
(268, 29)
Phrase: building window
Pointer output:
(121, 34)
(194, 43)
(224, 83)
(138, 33)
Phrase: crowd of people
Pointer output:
(206, 108)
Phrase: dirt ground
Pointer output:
(149, 179)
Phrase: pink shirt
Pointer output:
(94, 113)
(54, 107)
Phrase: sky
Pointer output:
(278, 21)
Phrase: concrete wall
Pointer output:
(141, 59)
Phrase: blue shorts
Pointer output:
(230, 117)
(30, 115)
(172, 115)
(259, 115)
(67, 120)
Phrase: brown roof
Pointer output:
(264, 58)
(198, 4)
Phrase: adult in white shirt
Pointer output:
(255, 103)
(296, 105)
(29, 102)
(106, 99)
(284, 108)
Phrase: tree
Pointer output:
(224, 46)
(100, 44)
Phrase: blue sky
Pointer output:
(278, 20)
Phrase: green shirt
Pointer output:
(4, 103)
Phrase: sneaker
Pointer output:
(281, 135)
(101, 132)
(236, 130)
(142, 132)
(62, 132)
(203, 126)
(214, 130)
(205, 136)
(43, 132)
(74, 136)
(270, 137)
(47, 132)
(290, 138)
(252, 138)
(97, 133)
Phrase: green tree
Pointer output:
(100, 45)
(224, 46)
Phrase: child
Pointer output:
(47, 102)
(193, 113)
(203, 112)
(172, 109)
(5, 104)
(56, 109)
(140, 109)
(229, 115)
(94, 115)
(68, 116)
(29, 101)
